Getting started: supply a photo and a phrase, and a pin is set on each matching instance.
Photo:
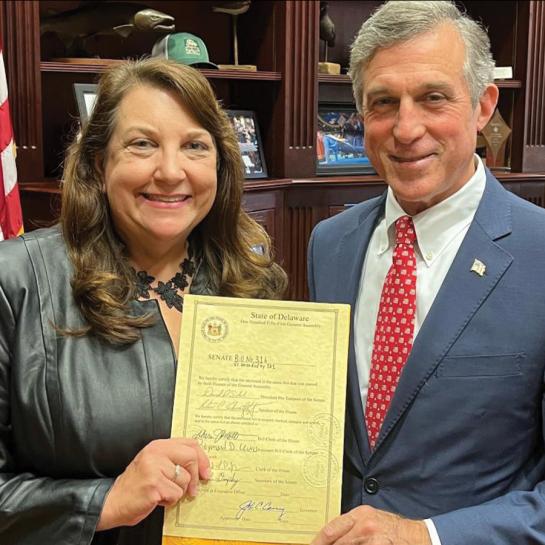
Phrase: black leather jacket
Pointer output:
(73, 411)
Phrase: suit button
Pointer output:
(371, 485)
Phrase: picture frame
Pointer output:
(85, 99)
(251, 146)
(340, 147)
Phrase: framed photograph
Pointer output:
(247, 133)
(339, 141)
(85, 98)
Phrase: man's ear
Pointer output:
(487, 105)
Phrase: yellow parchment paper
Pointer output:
(261, 385)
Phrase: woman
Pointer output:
(90, 311)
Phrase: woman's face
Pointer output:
(160, 173)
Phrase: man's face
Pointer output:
(420, 126)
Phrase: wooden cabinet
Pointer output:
(517, 40)
(282, 39)
(278, 37)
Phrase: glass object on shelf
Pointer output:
(496, 135)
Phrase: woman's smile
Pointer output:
(166, 201)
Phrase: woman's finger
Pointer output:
(188, 464)
(181, 477)
(172, 492)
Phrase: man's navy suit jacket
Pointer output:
(463, 440)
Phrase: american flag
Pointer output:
(11, 218)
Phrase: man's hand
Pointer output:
(366, 525)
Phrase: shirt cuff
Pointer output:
(434, 536)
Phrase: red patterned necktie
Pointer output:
(395, 328)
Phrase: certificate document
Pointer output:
(261, 385)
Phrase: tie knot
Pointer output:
(405, 233)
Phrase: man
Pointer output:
(444, 433)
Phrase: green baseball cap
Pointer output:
(184, 48)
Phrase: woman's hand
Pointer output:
(160, 474)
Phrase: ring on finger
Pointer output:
(177, 471)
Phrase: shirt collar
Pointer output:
(436, 226)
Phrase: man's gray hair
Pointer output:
(399, 21)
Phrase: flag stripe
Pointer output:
(11, 223)
(6, 134)
(11, 219)
(3, 202)
(3, 81)
(9, 172)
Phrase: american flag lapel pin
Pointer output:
(478, 267)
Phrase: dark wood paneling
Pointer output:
(532, 191)
(40, 203)
(534, 138)
(100, 66)
(334, 210)
(266, 206)
(21, 39)
(501, 30)
(309, 202)
(266, 219)
(299, 227)
(348, 17)
(528, 138)
(294, 114)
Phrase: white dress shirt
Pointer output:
(440, 231)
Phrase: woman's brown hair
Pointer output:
(103, 281)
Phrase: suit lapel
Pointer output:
(351, 256)
(462, 293)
